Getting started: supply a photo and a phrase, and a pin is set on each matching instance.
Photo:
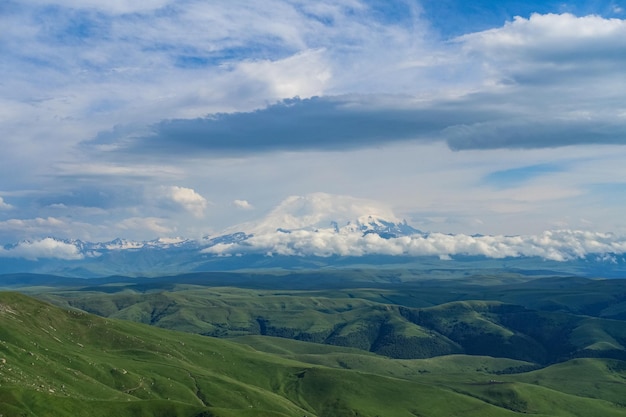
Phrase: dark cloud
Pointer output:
(523, 133)
(100, 197)
(311, 124)
(481, 121)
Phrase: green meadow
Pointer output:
(388, 344)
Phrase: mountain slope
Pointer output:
(57, 362)
(381, 314)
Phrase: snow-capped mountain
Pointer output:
(320, 211)
(306, 231)
(313, 213)
(124, 244)
(317, 224)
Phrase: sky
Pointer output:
(184, 118)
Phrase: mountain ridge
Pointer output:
(316, 231)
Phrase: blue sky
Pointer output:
(456, 17)
(185, 117)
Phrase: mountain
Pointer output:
(319, 230)
(320, 211)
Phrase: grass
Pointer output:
(389, 344)
(66, 362)
(59, 362)
(392, 314)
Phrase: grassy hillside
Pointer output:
(63, 362)
(58, 362)
(395, 317)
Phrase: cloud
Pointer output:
(152, 224)
(534, 93)
(188, 199)
(36, 225)
(319, 123)
(305, 73)
(536, 132)
(202, 94)
(243, 204)
(44, 248)
(102, 196)
(4, 205)
(342, 123)
(560, 245)
(12, 230)
(113, 6)
(553, 43)
(321, 224)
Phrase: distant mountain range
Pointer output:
(318, 231)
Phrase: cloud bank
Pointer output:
(560, 245)
(45, 248)
(321, 224)
(326, 225)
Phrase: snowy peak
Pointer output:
(124, 244)
(321, 211)
(317, 212)
(317, 224)
(301, 231)
(74, 249)
(386, 229)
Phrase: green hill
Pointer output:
(61, 362)
(384, 321)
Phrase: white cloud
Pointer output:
(552, 29)
(44, 248)
(38, 224)
(187, 198)
(152, 224)
(12, 230)
(4, 205)
(304, 74)
(560, 245)
(243, 204)
(115, 169)
(111, 6)
(528, 86)
(321, 224)
(552, 49)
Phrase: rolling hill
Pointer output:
(56, 362)
(394, 314)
